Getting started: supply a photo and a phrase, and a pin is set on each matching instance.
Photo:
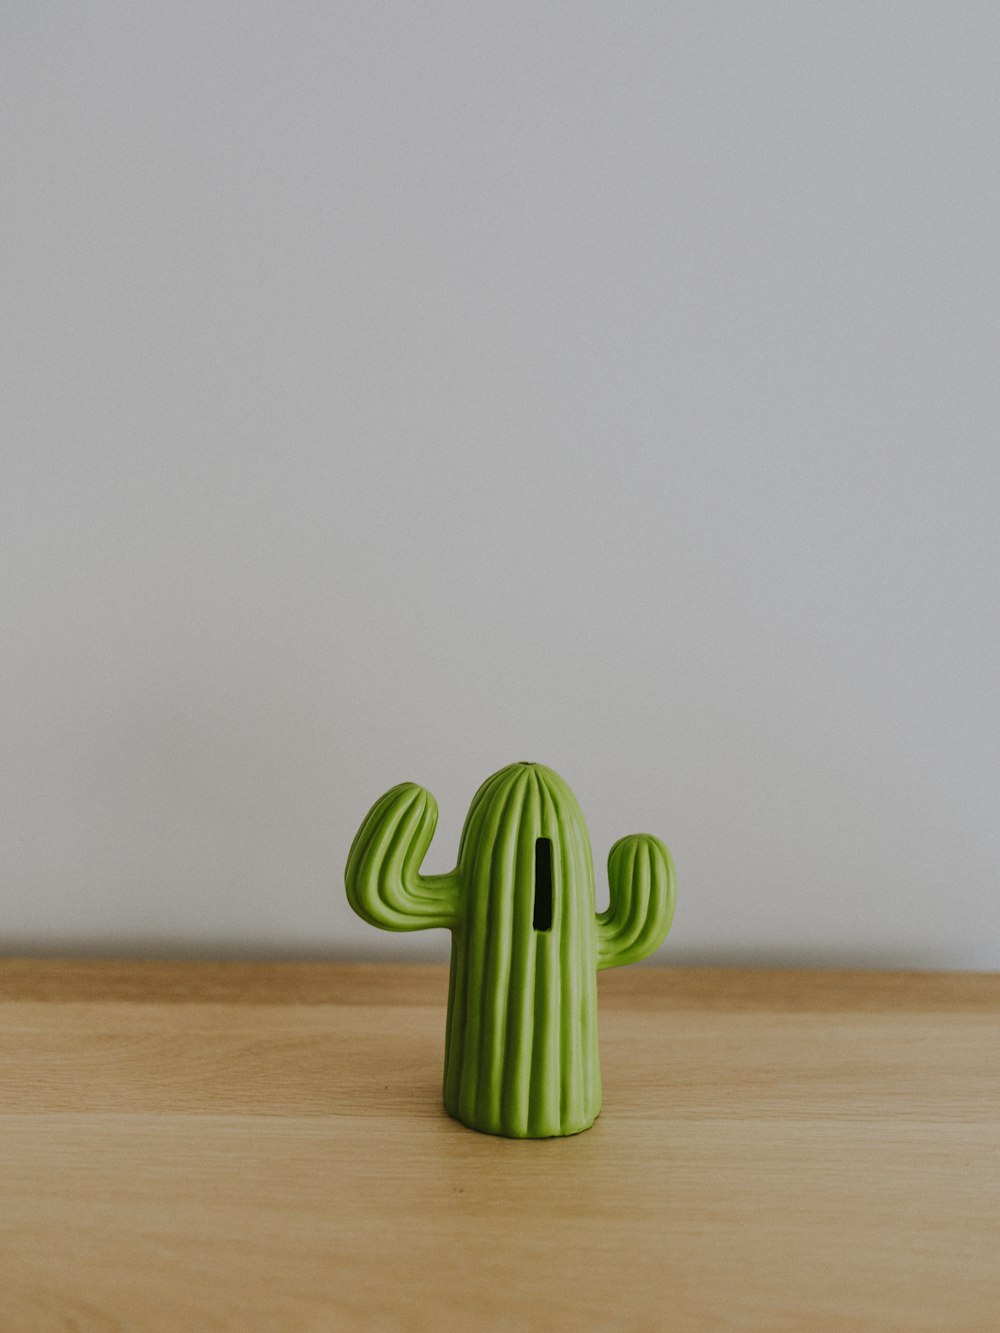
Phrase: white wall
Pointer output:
(394, 391)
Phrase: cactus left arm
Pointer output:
(384, 884)
(643, 892)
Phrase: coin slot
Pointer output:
(543, 884)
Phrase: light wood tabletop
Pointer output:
(194, 1147)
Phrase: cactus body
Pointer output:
(521, 1052)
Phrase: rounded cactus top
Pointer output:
(520, 804)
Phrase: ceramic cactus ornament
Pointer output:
(521, 1053)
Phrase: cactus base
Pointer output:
(508, 1132)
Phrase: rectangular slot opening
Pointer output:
(543, 884)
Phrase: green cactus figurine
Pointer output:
(521, 1053)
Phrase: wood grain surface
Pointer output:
(244, 1146)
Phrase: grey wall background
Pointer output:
(393, 391)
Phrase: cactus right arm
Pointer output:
(643, 892)
(384, 885)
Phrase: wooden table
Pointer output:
(193, 1147)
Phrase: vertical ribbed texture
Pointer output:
(643, 893)
(382, 879)
(522, 1057)
(521, 1052)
